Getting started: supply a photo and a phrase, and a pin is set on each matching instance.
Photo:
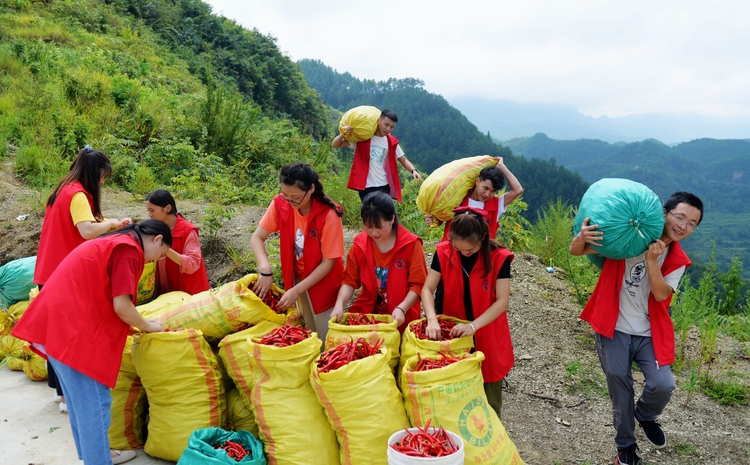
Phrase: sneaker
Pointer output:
(628, 456)
(57, 398)
(121, 456)
(653, 433)
(63, 407)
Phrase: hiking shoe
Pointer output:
(627, 456)
(653, 433)
(121, 456)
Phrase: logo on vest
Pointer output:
(474, 423)
(485, 285)
(314, 233)
(400, 263)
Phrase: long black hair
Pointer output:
(88, 169)
(378, 207)
(148, 227)
(162, 198)
(470, 227)
(303, 176)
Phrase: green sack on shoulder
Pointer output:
(201, 451)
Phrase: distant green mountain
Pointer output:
(433, 133)
(718, 171)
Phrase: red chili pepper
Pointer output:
(272, 300)
(425, 364)
(234, 449)
(337, 357)
(285, 336)
(425, 443)
(361, 319)
(446, 325)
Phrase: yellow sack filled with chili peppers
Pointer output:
(183, 385)
(386, 328)
(445, 188)
(18, 356)
(414, 340)
(127, 429)
(359, 123)
(363, 405)
(10, 316)
(233, 356)
(293, 427)
(218, 312)
(453, 397)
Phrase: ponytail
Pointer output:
(304, 177)
(88, 169)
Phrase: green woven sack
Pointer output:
(628, 213)
(201, 451)
(16, 280)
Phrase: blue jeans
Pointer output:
(89, 408)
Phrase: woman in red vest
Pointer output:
(387, 262)
(311, 243)
(72, 216)
(80, 320)
(183, 269)
(475, 273)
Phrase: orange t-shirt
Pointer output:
(331, 239)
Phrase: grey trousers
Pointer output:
(314, 322)
(617, 356)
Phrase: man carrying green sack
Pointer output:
(629, 311)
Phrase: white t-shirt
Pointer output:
(480, 205)
(378, 157)
(633, 318)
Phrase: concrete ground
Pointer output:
(32, 429)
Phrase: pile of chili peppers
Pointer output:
(285, 336)
(424, 443)
(234, 449)
(335, 358)
(446, 325)
(272, 300)
(361, 319)
(424, 364)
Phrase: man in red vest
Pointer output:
(374, 166)
(629, 312)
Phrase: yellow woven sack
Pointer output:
(127, 429)
(222, 311)
(411, 344)
(20, 357)
(453, 397)
(239, 417)
(183, 385)
(341, 333)
(363, 405)
(10, 316)
(233, 356)
(359, 123)
(147, 284)
(445, 188)
(293, 427)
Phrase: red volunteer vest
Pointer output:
(491, 207)
(73, 316)
(361, 167)
(494, 339)
(398, 274)
(323, 294)
(59, 235)
(178, 281)
(603, 307)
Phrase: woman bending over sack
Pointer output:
(80, 322)
(387, 262)
(183, 269)
(475, 273)
(311, 240)
(73, 215)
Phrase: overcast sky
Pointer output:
(602, 57)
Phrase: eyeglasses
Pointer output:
(683, 222)
(292, 201)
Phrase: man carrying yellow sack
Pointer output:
(374, 167)
(484, 196)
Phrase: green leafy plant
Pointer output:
(586, 379)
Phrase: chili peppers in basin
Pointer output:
(335, 358)
(234, 449)
(426, 442)
(420, 329)
(285, 336)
